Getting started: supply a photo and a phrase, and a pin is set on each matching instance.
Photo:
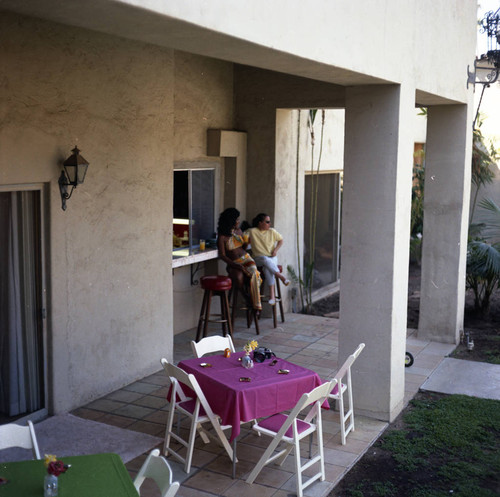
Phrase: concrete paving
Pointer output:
(456, 376)
(307, 340)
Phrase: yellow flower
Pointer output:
(252, 345)
(48, 459)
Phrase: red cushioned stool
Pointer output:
(218, 285)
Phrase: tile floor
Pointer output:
(310, 341)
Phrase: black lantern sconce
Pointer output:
(73, 174)
(487, 67)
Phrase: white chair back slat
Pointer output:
(14, 435)
(346, 416)
(313, 400)
(157, 468)
(179, 377)
(210, 345)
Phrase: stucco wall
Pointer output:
(203, 99)
(110, 299)
(354, 43)
(388, 39)
(111, 302)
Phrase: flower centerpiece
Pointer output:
(246, 360)
(54, 468)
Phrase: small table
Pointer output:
(99, 475)
(266, 394)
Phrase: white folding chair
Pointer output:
(157, 468)
(346, 417)
(291, 430)
(13, 435)
(211, 344)
(197, 409)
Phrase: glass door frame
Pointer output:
(42, 188)
(336, 225)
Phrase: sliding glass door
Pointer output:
(322, 202)
(22, 364)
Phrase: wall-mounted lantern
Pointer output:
(73, 174)
(487, 67)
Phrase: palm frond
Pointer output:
(483, 258)
(493, 217)
(475, 230)
(490, 205)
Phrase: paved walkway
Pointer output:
(310, 341)
(475, 379)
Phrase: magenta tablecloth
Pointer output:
(267, 393)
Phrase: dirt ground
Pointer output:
(483, 330)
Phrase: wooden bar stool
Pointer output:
(277, 297)
(250, 311)
(218, 285)
(278, 300)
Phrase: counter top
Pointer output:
(195, 257)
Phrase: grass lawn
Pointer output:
(440, 445)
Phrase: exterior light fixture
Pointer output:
(73, 174)
(487, 67)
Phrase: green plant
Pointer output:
(483, 258)
(417, 200)
(385, 489)
(483, 160)
(305, 281)
(417, 206)
(483, 272)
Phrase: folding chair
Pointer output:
(212, 344)
(346, 418)
(197, 409)
(157, 468)
(290, 430)
(13, 435)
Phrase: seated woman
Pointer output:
(231, 245)
(266, 242)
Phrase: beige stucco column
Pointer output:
(375, 243)
(446, 207)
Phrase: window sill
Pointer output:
(197, 256)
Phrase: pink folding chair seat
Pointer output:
(274, 423)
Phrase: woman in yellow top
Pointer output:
(266, 242)
(232, 244)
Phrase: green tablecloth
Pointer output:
(100, 475)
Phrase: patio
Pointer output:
(310, 341)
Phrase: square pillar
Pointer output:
(446, 210)
(375, 243)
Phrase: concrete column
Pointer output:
(446, 208)
(375, 243)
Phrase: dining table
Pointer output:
(96, 475)
(239, 395)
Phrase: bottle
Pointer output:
(247, 362)
(50, 486)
